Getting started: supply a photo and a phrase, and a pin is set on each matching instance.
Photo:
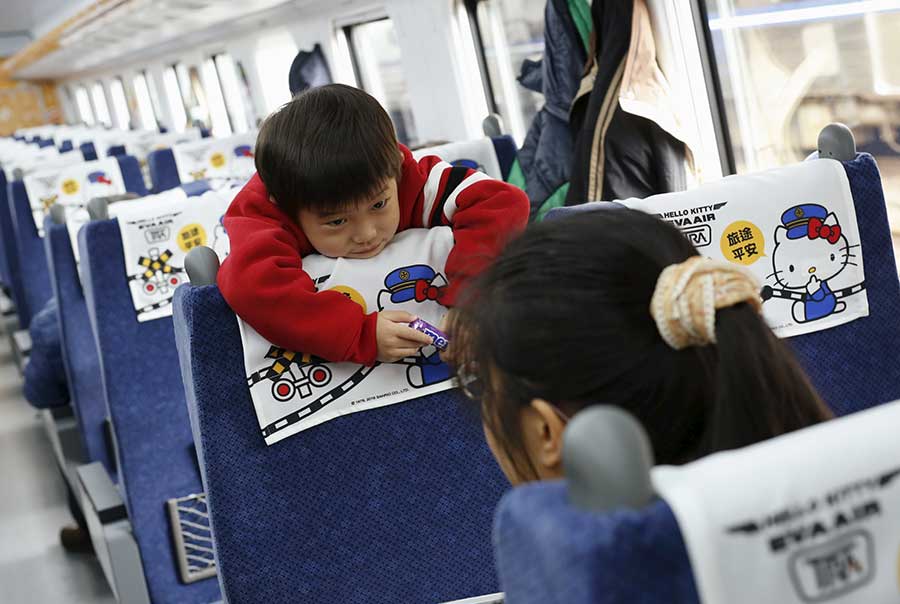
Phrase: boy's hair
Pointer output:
(326, 149)
(564, 315)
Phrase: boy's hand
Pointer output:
(396, 339)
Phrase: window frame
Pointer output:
(129, 123)
(471, 8)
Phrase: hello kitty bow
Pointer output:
(816, 229)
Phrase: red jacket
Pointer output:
(263, 278)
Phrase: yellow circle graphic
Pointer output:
(743, 243)
(217, 160)
(191, 236)
(352, 294)
(70, 186)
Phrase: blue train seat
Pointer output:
(559, 541)
(30, 250)
(465, 152)
(115, 150)
(146, 405)
(79, 352)
(66, 146)
(7, 244)
(44, 142)
(853, 366)
(390, 505)
(163, 171)
(88, 150)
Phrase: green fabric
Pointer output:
(516, 176)
(581, 14)
(557, 200)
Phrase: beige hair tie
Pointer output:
(687, 296)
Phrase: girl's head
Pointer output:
(562, 320)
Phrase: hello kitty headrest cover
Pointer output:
(795, 228)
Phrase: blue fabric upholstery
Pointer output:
(550, 552)
(66, 146)
(89, 152)
(45, 378)
(10, 251)
(116, 150)
(505, 147)
(5, 277)
(145, 399)
(79, 351)
(45, 142)
(853, 366)
(387, 506)
(30, 249)
(34, 279)
(163, 171)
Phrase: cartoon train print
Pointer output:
(292, 374)
(158, 277)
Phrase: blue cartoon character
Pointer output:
(99, 177)
(810, 250)
(221, 244)
(406, 287)
(243, 151)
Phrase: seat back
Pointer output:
(853, 365)
(388, 505)
(88, 150)
(494, 156)
(547, 550)
(5, 276)
(163, 171)
(146, 406)
(30, 249)
(79, 349)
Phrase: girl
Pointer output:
(616, 307)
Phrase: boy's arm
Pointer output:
(484, 214)
(264, 283)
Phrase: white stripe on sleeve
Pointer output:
(450, 207)
(431, 190)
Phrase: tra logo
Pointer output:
(835, 568)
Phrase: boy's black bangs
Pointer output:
(327, 150)
(334, 180)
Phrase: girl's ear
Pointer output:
(542, 432)
(780, 234)
(831, 219)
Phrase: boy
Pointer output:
(332, 179)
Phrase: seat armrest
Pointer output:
(102, 493)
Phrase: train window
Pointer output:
(376, 58)
(176, 104)
(236, 101)
(83, 103)
(120, 104)
(218, 114)
(193, 95)
(787, 70)
(101, 109)
(274, 56)
(144, 102)
(509, 31)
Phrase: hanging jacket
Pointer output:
(628, 138)
(546, 154)
(308, 70)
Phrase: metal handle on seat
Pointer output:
(492, 125)
(202, 266)
(58, 214)
(607, 459)
(98, 207)
(836, 142)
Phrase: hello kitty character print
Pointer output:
(811, 249)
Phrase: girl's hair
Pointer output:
(564, 315)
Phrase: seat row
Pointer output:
(395, 504)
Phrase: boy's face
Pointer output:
(359, 232)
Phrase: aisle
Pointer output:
(33, 566)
